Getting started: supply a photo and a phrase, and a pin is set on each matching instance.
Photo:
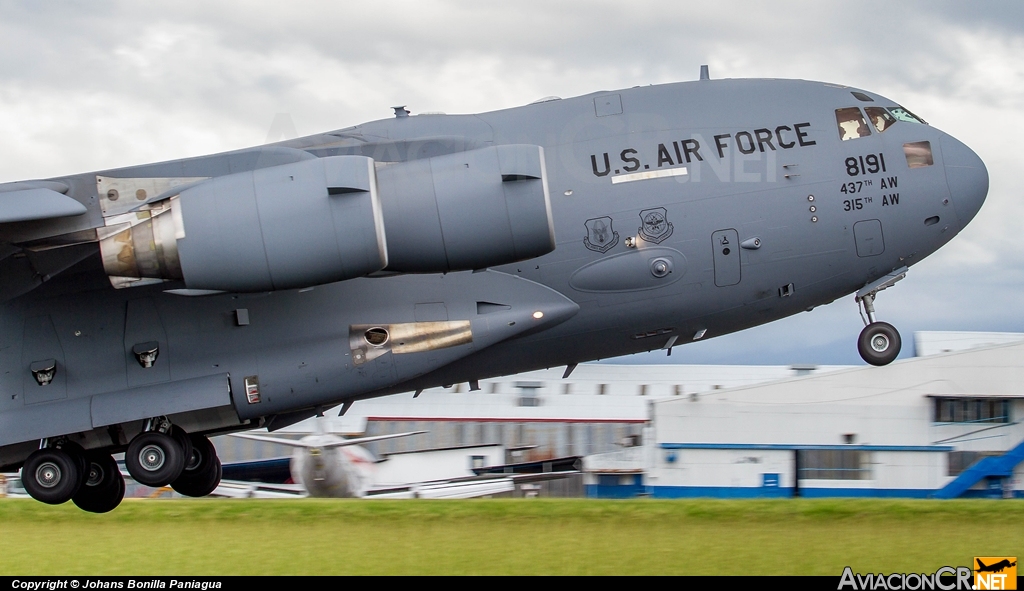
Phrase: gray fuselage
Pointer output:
(679, 212)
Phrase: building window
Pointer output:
(529, 393)
(962, 460)
(972, 410)
(833, 464)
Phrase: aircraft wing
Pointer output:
(277, 440)
(362, 440)
(237, 489)
(333, 444)
(37, 203)
(446, 490)
(463, 488)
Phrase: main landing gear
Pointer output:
(163, 454)
(879, 343)
(61, 471)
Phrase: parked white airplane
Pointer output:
(325, 465)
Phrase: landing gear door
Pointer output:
(726, 247)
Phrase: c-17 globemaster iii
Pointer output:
(148, 307)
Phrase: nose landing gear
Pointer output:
(879, 343)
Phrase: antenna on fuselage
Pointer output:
(704, 73)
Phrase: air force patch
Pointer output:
(655, 227)
(601, 237)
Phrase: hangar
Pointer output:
(944, 425)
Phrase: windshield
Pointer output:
(881, 118)
(902, 114)
(851, 124)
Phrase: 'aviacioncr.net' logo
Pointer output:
(995, 572)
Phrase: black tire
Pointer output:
(77, 452)
(103, 488)
(200, 484)
(184, 440)
(879, 343)
(154, 459)
(202, 472)
(51, 475)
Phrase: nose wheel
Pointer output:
(879, 343)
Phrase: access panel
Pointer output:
(726, 246)
(868, 235)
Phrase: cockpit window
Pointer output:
(902, 114)
(851, 124)
(881, 118)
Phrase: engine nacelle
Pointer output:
(468, 210)
(295, 225)
(323, 220)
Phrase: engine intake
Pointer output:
(468, 210)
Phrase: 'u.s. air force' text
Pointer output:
(746, 142)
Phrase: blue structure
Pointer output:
(993, 468)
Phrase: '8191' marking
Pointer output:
(870, 164)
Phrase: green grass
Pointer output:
(507, 536)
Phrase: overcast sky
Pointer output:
(87, 85)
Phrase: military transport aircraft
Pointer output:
(148, 307)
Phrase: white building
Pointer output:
(908, 429)
(536, 416)
(939, 426)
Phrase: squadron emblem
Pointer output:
(655, 227)
(601, 237)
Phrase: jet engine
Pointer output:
(329, 219)
(467, 210)
(293, 225)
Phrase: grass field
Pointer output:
(507, 536)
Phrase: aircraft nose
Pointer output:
(966, 177)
